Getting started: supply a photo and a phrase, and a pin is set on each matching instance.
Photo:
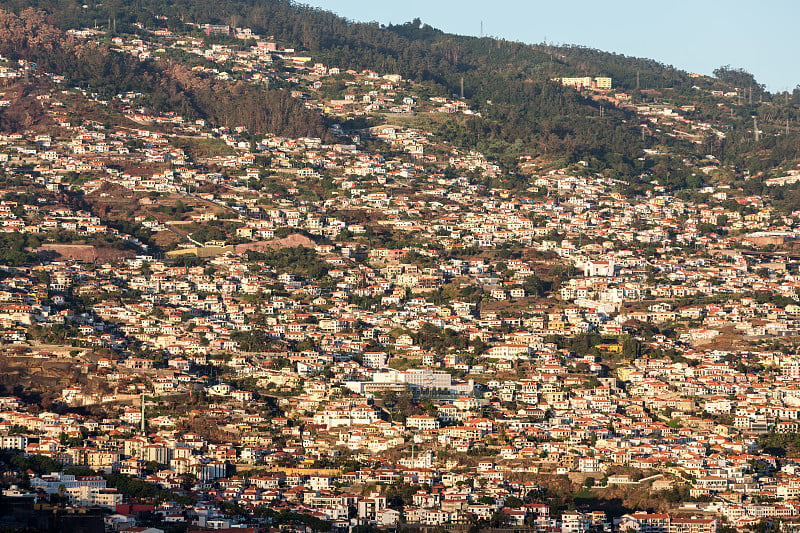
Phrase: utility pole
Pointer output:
(755, 128)
(462, 87)
(143, 430)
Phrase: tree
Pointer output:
(533, 285)
(187, 481)
(630, 348)
(514, 502)
(151, 466)
(739, 78)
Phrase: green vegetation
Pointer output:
(173, 210)
(299, 261)
(137, 488)
(523, 112)
(286, 517)
(12, 248)
(38, 463)
(252, 341)
(781, 444)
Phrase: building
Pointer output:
(693, 525)
(586, 82)
(645, 522)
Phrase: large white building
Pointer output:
(81, 490)
(421, 378)
(51, 483)
(422, 422)
(375, 359)
(13, 442)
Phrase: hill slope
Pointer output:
(523, 112)
(31, 36)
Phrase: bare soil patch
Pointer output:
(290, 241)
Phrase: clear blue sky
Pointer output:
(693, 35)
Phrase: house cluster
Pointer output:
(437, 328)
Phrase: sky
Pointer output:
(693, 35)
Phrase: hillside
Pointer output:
(272, 266)
(521, 112)
(31, 37)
